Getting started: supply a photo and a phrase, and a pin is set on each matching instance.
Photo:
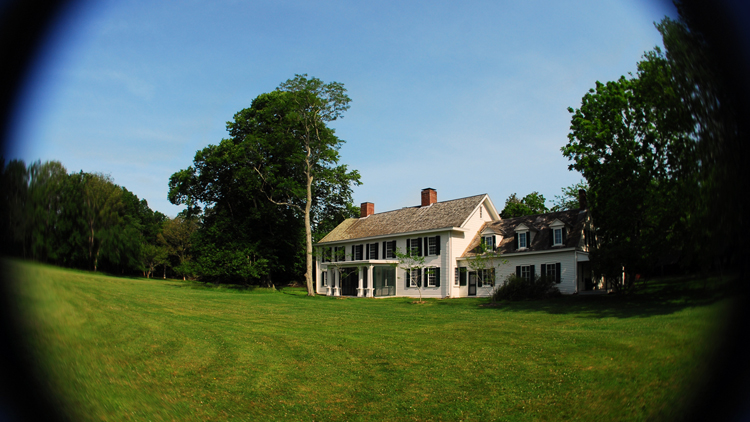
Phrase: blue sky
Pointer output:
(464, 97)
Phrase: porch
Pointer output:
(362, 281)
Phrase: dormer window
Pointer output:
(558, 237)
(488, 242)
(523, 236)
(558, 233)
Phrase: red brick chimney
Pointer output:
(429, 196)
(367, 208)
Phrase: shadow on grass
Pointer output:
(655, 297)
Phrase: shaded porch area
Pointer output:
(362, 281)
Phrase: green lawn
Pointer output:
(136, 349)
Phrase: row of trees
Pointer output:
(84, 220)
(255, 203)
(660, 151)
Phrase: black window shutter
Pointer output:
(367, 251)
(437, 245)
(408, 279)
(426, 248)
(419, 277)
(518, 271)
(376, 250)
(517, 236)
(462, 277)
(492, 277)
(557, 272)
(531, 269)
(564, 235)
(437, 276)
(419, 247)
(544, 269)
(480, 276)
(353, 252)
(408, 247)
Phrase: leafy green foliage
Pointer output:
(632, 140)
(531, 204)
(518, 288)
(79, 220)
(569, 200)
(272, 184)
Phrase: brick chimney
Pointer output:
(582, 204)
(366, 209)
(429, 196)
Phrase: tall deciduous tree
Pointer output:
(176, 236)
(101, 205)
(292, 123)
(631, 141)
(273, 183)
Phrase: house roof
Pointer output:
(439, 215)
(574, 220)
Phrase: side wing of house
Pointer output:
(553, 244)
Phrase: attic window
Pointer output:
(523, 241)
(489, 242)
(558, 237)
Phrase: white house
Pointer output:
(357, 258)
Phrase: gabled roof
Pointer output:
(439, 215)
(573, 219)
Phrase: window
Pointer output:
(432, 246)
(558, 237)
(552, 271)
(372, 251)
(525, 271)
(523, 240)
(357, 252)
(489, 243)
(389, 249)
(431, 275)
(414, 246)
(486, 277)
(413, 278)
(324, 278)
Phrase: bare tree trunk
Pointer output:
(308, 236)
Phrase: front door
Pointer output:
(472, 283)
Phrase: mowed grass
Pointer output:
(137, 349)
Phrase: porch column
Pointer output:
(329, 282)
(360, 291)
(370, 284)
(336, 284)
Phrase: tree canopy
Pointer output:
(645, 145)
(273, 184)
(79, 220)
(531, 204)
